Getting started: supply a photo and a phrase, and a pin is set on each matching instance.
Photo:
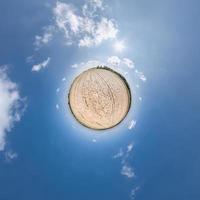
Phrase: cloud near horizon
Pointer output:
(112, 61)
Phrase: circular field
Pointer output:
(99, 98)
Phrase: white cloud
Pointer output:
(127, 171)
(29, 59)
(91, 63)
(133, 192)
(91, 7)
(88, 64)
(97, 32)
(45, 38)
(119, 154)
(119, 46)
(114, 61)
(140, 75)
(57, 90)
(94, 140)
(57, 107)
(66, 19)
(132, 124)
(124, 62)
(82, 26)
(86, 41)
(130, 147)
(128, 62)
(11, 106)
(74, 66)
(10, 155)
(41, 65)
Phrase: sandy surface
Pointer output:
(99, 98)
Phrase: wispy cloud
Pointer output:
(130, 147)
(86, 26)
(119, 46)
(133, 192)
(140, 75)
(41, 65)
(94, 140)
(123, 62)
(119, 154)
(114, 61)
(127, 171)
(57, 90)
(132, 124)
(45, 37)
(30, 59)
(74, 66)
(12, 105)
(57, 107)
(87, 64)
(10, 155)
(128, 62)
(63, 79)
(91, 7)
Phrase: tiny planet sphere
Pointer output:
(99, 98)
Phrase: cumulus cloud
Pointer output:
(11, 106)
(41, 65)
(85, 26)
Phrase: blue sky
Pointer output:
(153, 153)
